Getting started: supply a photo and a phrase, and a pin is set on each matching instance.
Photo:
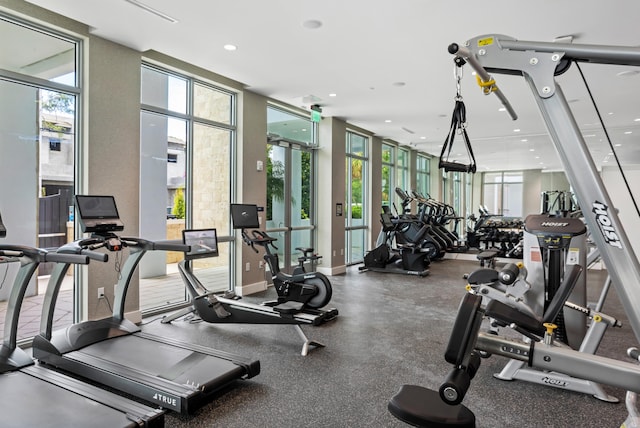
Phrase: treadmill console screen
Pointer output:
(203, 242)
(245, 216)
(98, 213)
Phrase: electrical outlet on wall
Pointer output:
(100, 292)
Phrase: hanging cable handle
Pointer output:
(458, 126)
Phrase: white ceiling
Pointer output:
(387, 61)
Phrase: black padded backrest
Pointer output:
(562, 294)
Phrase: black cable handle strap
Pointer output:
(458, 125)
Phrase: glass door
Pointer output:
(289, 200)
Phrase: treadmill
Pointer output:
(35, 396)
(114, 351)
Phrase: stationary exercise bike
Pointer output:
(298, 302)
(308, 289)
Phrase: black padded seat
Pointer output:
(422, 407)
(488, 257)
(483, 276)
(508, 315)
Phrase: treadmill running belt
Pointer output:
(30, 402)
(182, 366)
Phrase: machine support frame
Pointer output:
(537, 62)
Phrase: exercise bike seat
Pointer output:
(305, 250)
(422, 407)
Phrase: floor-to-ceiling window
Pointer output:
(39, 105)
(502, 193)
(388, 174)
(423, 178)
(290, 176)
(402, 169)
(187, 152)
(357, 188)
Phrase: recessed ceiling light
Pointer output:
(516, 130)
(636, 120)
(423, 138)
(628, 132)
(333, 95)
(502, 109)
(617, 145)
(532, 150)
(312, 24)
(589, 135)
(610, 113)
(387, 121)
(524, 140)
(230, 47)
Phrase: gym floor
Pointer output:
(392, 330)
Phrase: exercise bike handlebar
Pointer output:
(258, 237)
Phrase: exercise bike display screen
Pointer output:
(203, 242)
(245, 216)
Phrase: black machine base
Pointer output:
(422, 407)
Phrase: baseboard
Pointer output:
(135, 317)
(248, 289)
(335, 270)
